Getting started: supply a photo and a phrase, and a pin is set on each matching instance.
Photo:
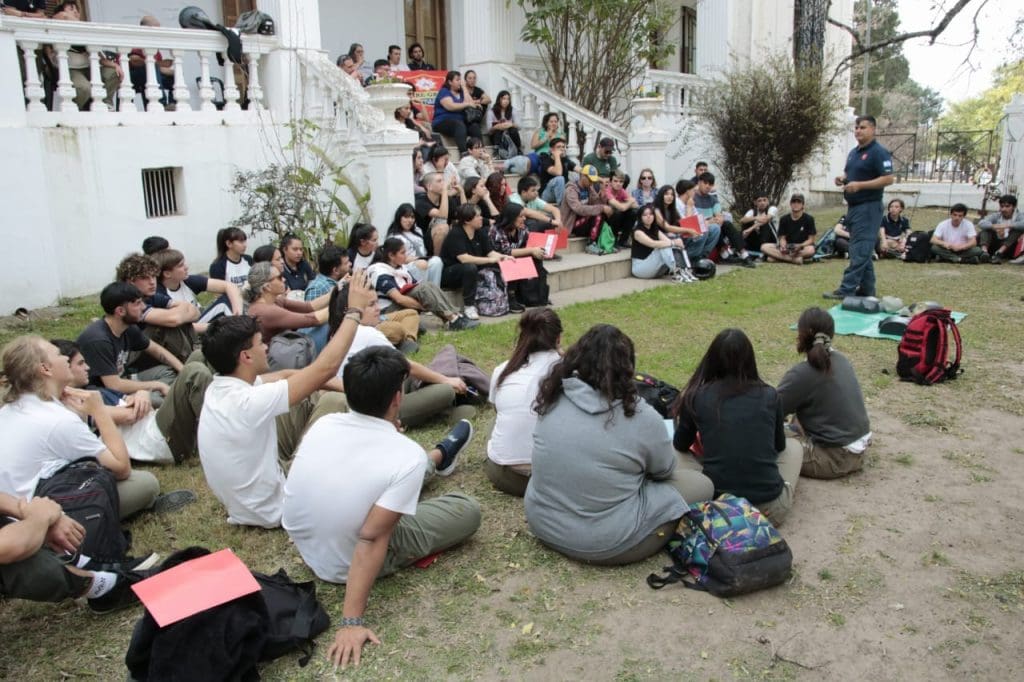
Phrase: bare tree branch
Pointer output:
(849, 29)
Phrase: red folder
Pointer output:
(691, 222)
(518, 268)
(195, 586)
(544, 240)
(563, 237)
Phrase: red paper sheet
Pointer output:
(519, 268)
(195, 586)
(563, 238)
(546, 241)
(691, 222)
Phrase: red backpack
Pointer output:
(924, 349)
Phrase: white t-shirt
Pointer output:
(184, 293)
(40, 437)
(955, 235)
(365, 337)
(237, 439)
(346, 464)
(144, 441)
(237, 273)
(511, 441)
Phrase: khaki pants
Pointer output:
(178, 417)
(438, 524)
(41, 577)
(511, 480)
(137, 492)
(402, 325)
(828, 462)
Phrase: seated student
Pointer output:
(892, 235)
(166, 322)
(297, 271)
(550, 129)
(232, 264)
(428, 138)
(175, 283)
(671, 206)
(555, 166)
(731, 246)
(823, 392)
(603, 159)
(624, 208)
(435, 211)
(582, 208)
(246, 409)
(477, 163)
(440, 161)
(655, 254)
(332, 266)
(478, 194)
(955, 240)
(646, 188)
(842, 243)
(466, 249)
(758, 225)
(540, 215)
(501, 120)
(276, 312)
(363, 242)
(1001, 230)
(796, 235)
(514, 385)
(416, 62)
(605, 486)
(398, 290)
(354, 514)
(419, 263)
(497, 192)
(268, 253)
(437, 394)
(164, 435)
(42, 422)
(107, 343)
(508, 236)
(450, 107)
(395, 64)
(738, 418)
(380, 71)
(32, 532)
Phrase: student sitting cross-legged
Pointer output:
(605, 487)
(738, 417)
(175, 283)
(351, 501)
(246, 407)
(514, 385)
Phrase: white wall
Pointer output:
(375, 25)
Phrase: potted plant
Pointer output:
(387, 93)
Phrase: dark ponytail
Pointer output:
(815, 330)
(539, 330)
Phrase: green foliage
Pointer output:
(985, 111)
(594, 49)
(766, 119)
(302, 195)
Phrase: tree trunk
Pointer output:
(809, 19)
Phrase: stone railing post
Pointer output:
(12, 96)
(1012, 154)
(647, 138)
(389, 171)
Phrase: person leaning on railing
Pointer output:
(78, 63)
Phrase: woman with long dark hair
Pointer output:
(450, 111)
(655, 254)
(824, 394)
(514, 385)
(508, 235)
(465, 251)
(232, 264)
(502, 119)
(738, 418)
(497, 187)
(420, 265)
(605, 487)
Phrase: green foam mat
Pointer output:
(866, 324)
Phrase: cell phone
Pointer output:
(472, 390)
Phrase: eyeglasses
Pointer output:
(647, 177)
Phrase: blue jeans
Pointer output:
(862, 220)
(554, 191)
(660, 262)
(700, 247)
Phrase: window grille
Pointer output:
(159, 187)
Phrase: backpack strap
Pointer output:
(931, 363)
(953, 368)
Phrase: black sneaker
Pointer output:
(748, 262)
(173, 501)
(408, 347)
(121, 596)
(452, 445)
(996, 259)
(127, 564)
(515, 306)
(970, 260)
(461, 323)
(834, 295)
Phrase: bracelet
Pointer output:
(353, 309)
(355, 317)
(352, 622)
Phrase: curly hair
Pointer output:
(136, 265)
(604, 358)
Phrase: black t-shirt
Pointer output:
(639, 250)
(796, 231)
(26, 5)
(741, 436)
(545, 164)
(423, 208)
(458, 243)
(107, 354)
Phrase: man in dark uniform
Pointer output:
(868, 171)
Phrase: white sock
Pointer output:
(102, 582)
(82, 561)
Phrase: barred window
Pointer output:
(160, 190)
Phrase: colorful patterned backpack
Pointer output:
(725, 547)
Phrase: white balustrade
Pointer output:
(188, 53)
(681, 91)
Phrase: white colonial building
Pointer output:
(82, 189)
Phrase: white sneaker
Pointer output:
(471, 312)
(678, 276)
(1019, 260)
(688, 275)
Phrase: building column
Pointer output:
(713, 35)
(297, 27)
(488, 37)
(1012, 154)
(389, 171)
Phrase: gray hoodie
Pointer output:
(599, 487)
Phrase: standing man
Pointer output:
(868, 171)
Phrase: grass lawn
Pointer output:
(902, 571)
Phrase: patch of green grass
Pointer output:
(935, 558)
(904, 458)
(836, 619)
(825, 574)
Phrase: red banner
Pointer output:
(425, 85)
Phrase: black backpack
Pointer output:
(919, 247)
(88, 493)
(657, 393)
(295, 617)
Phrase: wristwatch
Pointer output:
(352, 622)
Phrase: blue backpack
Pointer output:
(725, 547)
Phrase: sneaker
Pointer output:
(173, 501)
(121, 596)
(834, 295)
(688, 275)
(748, 262)
(471, 312)
(1019, 260)
(126, 564)
(996, 259)
(452, 445)
(970, 260)
(462, 323)
(678, 276)
(408, 347)
(593, 249)
(515, 306)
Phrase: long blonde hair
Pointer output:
(21, 359)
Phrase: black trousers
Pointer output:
(461, 276)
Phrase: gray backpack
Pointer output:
(290, 350)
